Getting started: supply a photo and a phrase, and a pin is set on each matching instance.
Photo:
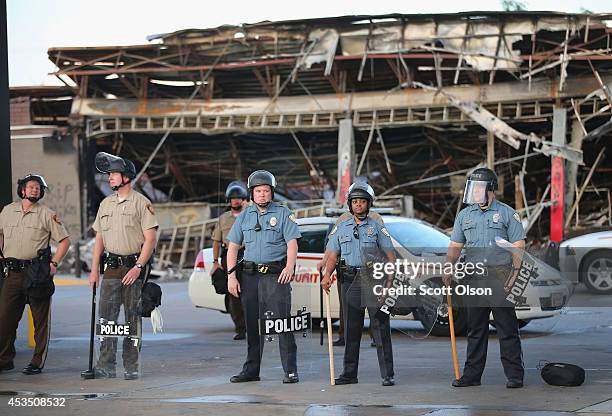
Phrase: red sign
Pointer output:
(557, 195)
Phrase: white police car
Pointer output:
(588, 259)
(550, 291)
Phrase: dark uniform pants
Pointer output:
(354, 313)
(506, 324)
(341, 319)
(261, 293)
(12, 304)
(233, 304)
(114, 294)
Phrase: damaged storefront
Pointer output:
(410, 102)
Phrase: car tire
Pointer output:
(596, 272)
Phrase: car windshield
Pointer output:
(418, 238)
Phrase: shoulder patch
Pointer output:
(57, 219)
(333, 231)
(385, 232)
(517, 217)
(292, 218)
(151, 209)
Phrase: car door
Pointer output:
(306, 284)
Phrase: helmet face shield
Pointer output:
(261, 177)
(360, 194)
(107, 163)
(362, 189)
(475, 192)
(236, 189)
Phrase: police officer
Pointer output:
(476, 228)
(373, 215)
(26, 227)
(236, 195)
(351, 240)
(125, 227)
(269, 233)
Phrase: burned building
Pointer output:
(412, 102)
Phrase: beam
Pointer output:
(490, 150)
(583, 187)
(577, 136)
(346, 157)
(291, 61)
(541, 89)
(267, 87)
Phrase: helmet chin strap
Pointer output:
(32, 199)
(116, 188)
(263, 205)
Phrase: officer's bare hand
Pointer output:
(215, 266)
(286, 275)
(326, 283)
(94, 277)
(321, 264)
(233, 286)
(131, 276)
(53, 269)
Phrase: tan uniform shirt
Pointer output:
(122, 223)
(223, 227)
(25, 233)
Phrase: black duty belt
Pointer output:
(15, 265)
(263, 268)
(114, 260)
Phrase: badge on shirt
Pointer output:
(370, 231)
(517, 217)
(273, 221)
(292, 218)
(385, 232)
(496, 217)
(333, 231)
(150, 208)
